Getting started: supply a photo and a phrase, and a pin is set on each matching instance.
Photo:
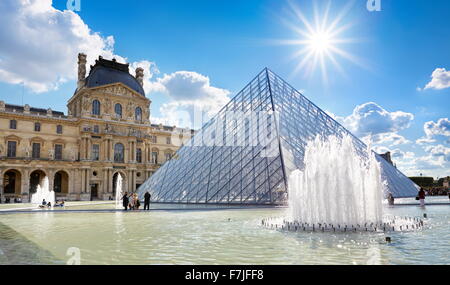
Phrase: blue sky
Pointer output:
(201, 53)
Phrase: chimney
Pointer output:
(81, 70)
(140, 75)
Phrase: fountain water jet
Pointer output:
(43, 192)
(118, 191)
(337, 186)
(339, 189)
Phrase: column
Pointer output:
(1, 185)
(110, 181)
(82, 180)
(87, 181)
(105, 181)
(130, 152)
(111, 150)
(51, 180)
(89, 148)
(70, 182)
(25, 183)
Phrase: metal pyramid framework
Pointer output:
(244, 155)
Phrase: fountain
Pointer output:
(339, 189)
(118, 191)
(337, 186)
(43, 192)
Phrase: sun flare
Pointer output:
(320, 41)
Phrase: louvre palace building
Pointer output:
(106, 132)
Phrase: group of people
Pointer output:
(420, 197)
(132, 201)
(17, 200)
(46, 204)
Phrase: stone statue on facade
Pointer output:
(81, 69)
(130, 109)
(51, 153)
(108, 105)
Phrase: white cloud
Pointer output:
(425, 140)
(391, 139)
(372, 119)
(40, 44)
(398, 154)
(190, 92)
(441, 127)
(440, 79)
(150, 70)
(439, 151)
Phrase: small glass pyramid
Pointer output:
(245, 153)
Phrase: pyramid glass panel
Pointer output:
(244, 155)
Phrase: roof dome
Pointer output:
(109, 71)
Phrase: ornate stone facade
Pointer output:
(106, 131)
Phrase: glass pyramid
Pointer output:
(244, 155)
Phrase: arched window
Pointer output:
(96, 107)
(138, 114)
(118, 110)
(119, 152)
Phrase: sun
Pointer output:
(320, 41)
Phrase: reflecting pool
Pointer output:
(172, 235)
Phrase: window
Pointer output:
(96, 129)
(57, 184)
(96, 107)
(119, 152)
(95, 152)
(168, 156)
(59, 129)
(37, 127)
(153, 139)
(13, 124)
(154, 158)
(168, 140)
(36, 151)
(118, 111)
(138, 114)
(12, 148)
(58, 151)
(139, 155)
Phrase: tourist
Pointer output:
(422, 197)
(131, 200)
(147, 197)
(49, 205)
(125, 201)
(137, 203)
(390, 199)
(44, 203)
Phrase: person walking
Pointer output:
(422, 197)
(147, 197)
(125, 201)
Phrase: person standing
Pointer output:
(147, 197)
(391, 200)
(422, 197)
(125, 201)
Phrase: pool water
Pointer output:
(212, 236)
